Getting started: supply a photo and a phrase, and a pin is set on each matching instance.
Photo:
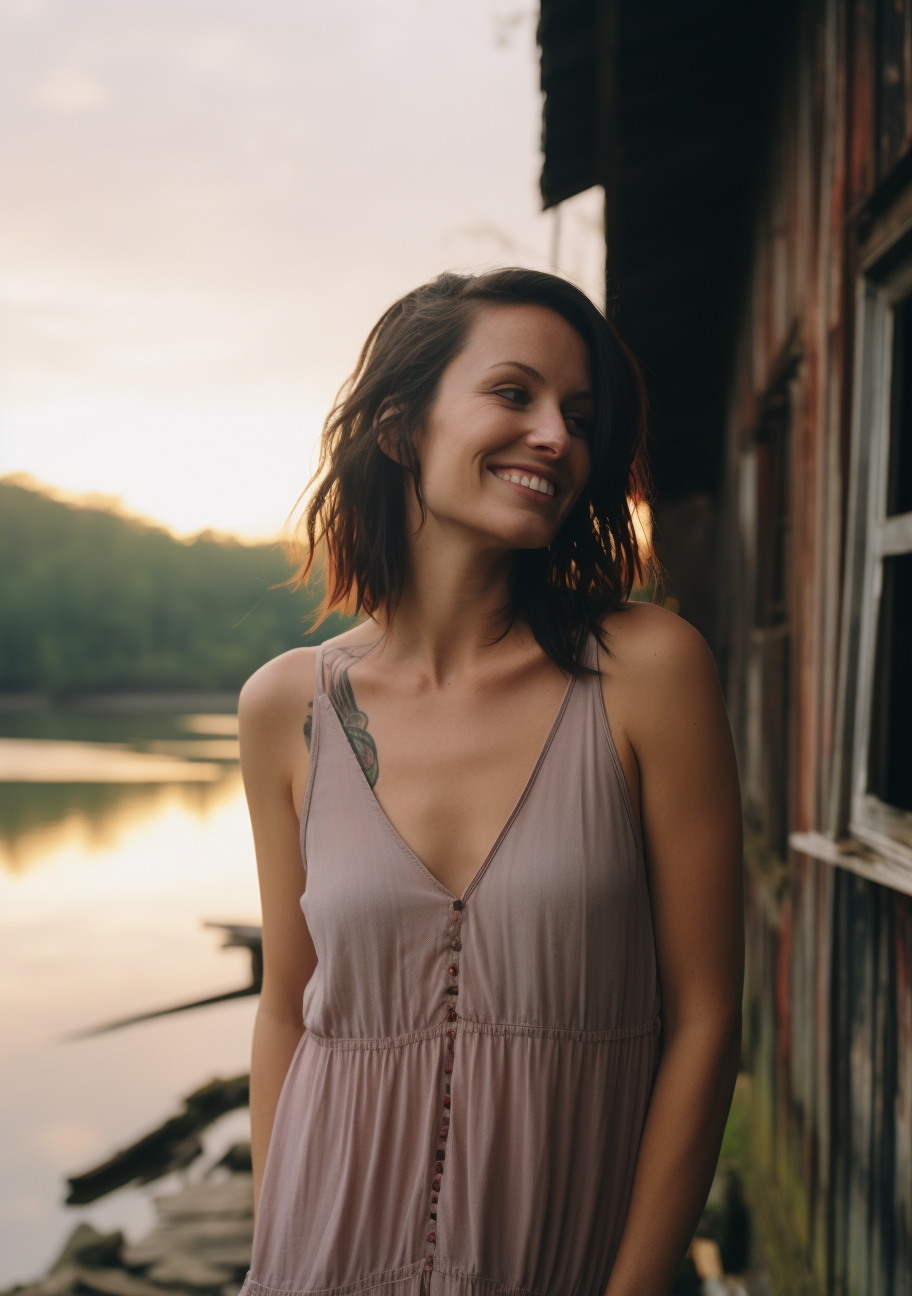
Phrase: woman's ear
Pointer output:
(387, 425)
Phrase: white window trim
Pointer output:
(865, 835)
(882, 827)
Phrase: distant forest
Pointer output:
(92, 602)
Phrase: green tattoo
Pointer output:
(354, 722)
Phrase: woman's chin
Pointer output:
(524, 536)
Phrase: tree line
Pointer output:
(92, 602)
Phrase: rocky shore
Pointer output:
(200, 1245)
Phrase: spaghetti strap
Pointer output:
(319, 687)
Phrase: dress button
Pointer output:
(447, 1070)
(438, 1168)
(436, 1185)
(440, 1154)
(446, 1102)
(452, 990)
(453, 970)
(432, 1236)
(458, 905)
(443, 1133)
(451, 1034)
(456, 944)
(451, 1015)
(435, 1198)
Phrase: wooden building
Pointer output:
(757, 165)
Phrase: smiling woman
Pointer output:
(581, 559)
(498, 1033)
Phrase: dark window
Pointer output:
(890, 773)
(899, 487)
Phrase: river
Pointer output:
(106, 881)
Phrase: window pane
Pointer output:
(891, 731)
(899, 486)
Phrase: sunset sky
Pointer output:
(205, 204)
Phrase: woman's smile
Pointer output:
(532, 485)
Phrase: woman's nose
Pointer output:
(549, 432)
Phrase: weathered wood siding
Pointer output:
(829, 990)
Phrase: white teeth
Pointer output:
(540, 484)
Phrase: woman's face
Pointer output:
(504, 450)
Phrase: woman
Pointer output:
(518, 810)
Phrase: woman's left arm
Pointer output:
(691, 822)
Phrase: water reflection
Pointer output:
(37, 820)
(104, 889)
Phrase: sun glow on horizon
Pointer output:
(190, 468)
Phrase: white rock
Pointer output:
(182, 1270)
(232, 1196)
(214, 1239)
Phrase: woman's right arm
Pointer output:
(273, 708)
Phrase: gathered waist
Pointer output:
(470, 1026)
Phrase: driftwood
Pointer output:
(170, 1147)
(237, 936)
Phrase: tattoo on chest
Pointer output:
(354, 722)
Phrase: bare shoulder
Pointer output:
(655, 646)
(275, 710)
(659, 678)
(286, 683)
(282, 686)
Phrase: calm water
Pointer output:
(104, 889)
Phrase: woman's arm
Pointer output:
(690, 813)
(273, 707)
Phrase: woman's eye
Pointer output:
(578, 424)
(518, 395)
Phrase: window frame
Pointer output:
(875, 536)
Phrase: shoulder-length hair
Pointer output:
(355, 518)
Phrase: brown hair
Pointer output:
(356, 516)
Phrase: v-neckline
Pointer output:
(394, 831)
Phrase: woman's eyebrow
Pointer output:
(518, 364)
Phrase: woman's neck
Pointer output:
(454, 604)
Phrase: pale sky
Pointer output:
(205, 205)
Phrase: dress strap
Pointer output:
(590, 656)
(319, 687)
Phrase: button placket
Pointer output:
(450, 992)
